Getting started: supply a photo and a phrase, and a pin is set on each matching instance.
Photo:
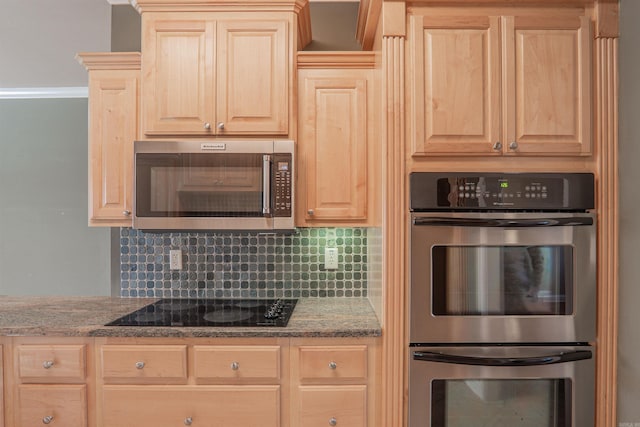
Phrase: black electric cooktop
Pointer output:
(211, 312)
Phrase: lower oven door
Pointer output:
(549, 386)
(503, 277)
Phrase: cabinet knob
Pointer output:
(47, 364)
(207, 125)
(497, 146)
(188, 421)
(333, 365)
(513, 145)
(235, 366)
(47, 419)
(333, 421)
(139, 365)
(126, 213)
(310, 212)
(220, 126)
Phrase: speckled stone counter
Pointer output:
(86, 316)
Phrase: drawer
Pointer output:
(197, 406)
(237, 362)
(333, 362)
(51, 363)
(55, 405)
(322, 406)
(144, 364)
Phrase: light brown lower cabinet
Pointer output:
(51, 382)
(197, 406)
(320, 406)
(56, 405)
(150, 382)
(1, 388)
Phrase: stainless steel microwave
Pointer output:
(214, 185)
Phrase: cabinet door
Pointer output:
(456, 85)
(548, 85)
(178, 82)
(59, 405)
(252, 77)
(113, 109)
(320, 406)
(206, 406)
(144, 364)
(236, 363)
(1, 389)
(333, 147)
(51, 363)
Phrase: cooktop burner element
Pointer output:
(211, 312)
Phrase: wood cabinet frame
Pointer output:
(602, 161)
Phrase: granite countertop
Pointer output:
(86, 316)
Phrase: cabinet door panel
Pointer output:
(206, 406)
(66, 405)
(1, 389)
(334, 147)
(144, 364)
(218, 363)
(252, 77)
(177, 66)
(456, 85)
(333, 362)
(318, 405)
(112, 127)
(51, 363)
(549, 97)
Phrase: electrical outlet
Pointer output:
(175, 259)
(330, 258)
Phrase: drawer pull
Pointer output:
(47, 364)
(333, 421)
(47, 419)
(235, 366)
(139, 365)
(188, 421)
(333, 365)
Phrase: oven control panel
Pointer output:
(485, 191)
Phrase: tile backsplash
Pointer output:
(244, 265)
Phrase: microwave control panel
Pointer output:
(282, 184)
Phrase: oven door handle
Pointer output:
(563, 357)
(498, 222)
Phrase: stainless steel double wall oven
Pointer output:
(502, 300)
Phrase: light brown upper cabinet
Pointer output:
(337, 146)
(113, 125)
(501, 85)
(215, 74)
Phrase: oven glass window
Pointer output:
(199, 185)
(501, 403)
(502, 280)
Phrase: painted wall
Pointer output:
(39, 40)
(46, 247)
(629, 175)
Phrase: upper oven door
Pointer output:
(502, 277)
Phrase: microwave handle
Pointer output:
(481, 222)
(266, 184)
(563, 357)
